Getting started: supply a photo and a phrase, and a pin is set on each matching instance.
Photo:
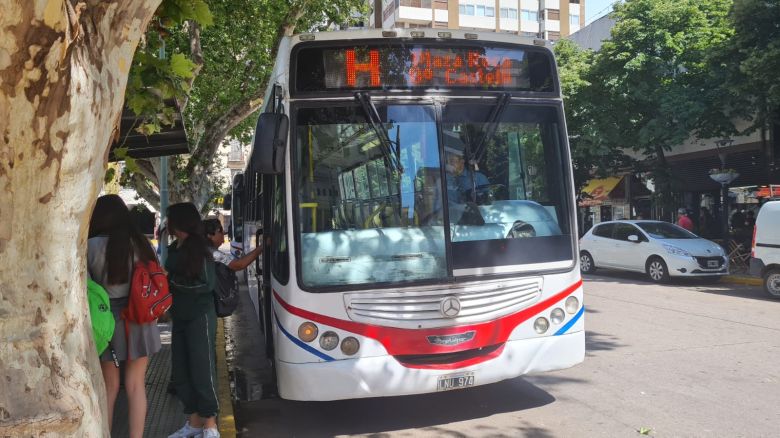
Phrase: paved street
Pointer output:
(685, 359)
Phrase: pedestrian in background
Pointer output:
(683, 220)
(192, 277)
(114, 243)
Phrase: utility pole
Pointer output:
(163, 191)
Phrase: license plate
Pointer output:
(712, 263)
(455, 381)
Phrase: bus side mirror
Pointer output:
(227, 201)
(270, 143)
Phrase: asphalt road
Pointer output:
(685, 359)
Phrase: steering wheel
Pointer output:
(520, 230)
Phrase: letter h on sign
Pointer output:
(371, 67)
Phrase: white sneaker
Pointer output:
(188, 432)
(211, 433)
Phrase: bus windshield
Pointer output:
(373, 210)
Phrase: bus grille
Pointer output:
(481, 301)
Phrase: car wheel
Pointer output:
(772, 282)
(586, 263)
(656, 270)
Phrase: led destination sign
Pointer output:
(423, 67)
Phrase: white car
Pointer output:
(659, 249)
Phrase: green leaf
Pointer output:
(182, 66)
(109, 175)
(202, 13)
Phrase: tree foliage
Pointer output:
(752, 57)
(591, 154)
(218, 75)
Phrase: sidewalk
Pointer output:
(742, 279)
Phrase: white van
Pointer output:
(765, 260)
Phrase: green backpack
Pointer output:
(100, 314)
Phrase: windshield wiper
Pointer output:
(491, 124)
(385, 144)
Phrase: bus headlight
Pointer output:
(350, 346)
(307, 331)
(572, 304)
(541, 325)
(557, 316)
(329, 341)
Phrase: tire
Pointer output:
(772, 282)
(656, 270)
(587, 266)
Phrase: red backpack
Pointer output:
(150, 296)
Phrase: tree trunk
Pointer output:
(63, 71)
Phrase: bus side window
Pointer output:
(280, 260)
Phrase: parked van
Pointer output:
(765, 258)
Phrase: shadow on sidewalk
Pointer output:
(428, 412)
(164, 412)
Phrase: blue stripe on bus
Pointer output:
(570, 323)
(302, 344)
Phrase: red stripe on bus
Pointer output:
(398, 341)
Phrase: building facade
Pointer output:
(548, 19)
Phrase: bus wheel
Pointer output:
(586, 263)
(772, 282)
(656, 270)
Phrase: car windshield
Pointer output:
(665, 230)
(374, 210)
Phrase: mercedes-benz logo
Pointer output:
(450, 307)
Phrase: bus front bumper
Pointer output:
(384, 376)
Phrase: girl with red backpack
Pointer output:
(113, 246)
(191, 276)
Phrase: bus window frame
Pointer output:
(419, 92)
(437, 103)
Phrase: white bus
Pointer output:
(415, 191)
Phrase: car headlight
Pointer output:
(674, 250)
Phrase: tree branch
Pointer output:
(196, 53)
(216, 131)
(146, 168)
(141, 185)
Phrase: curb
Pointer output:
(742, 279)
(227, 422)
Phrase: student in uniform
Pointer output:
(192, 277)
(114, 243)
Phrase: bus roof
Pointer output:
(420, 33)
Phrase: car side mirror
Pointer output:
(270, 143)
(633, 238)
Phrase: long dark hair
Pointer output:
(195, 250)
(112, 218)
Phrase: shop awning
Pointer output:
(597, 190)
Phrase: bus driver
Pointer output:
(459, 177)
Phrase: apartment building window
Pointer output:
(553, 36)
(508, 13)
(574, 19)
(466, 9)
(490, 11)
(529, 15)
(480, 11)
(439, 4)
(553, 14)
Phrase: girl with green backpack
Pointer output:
(114, 245)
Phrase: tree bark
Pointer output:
(63, 71)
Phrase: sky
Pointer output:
(597, 8)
